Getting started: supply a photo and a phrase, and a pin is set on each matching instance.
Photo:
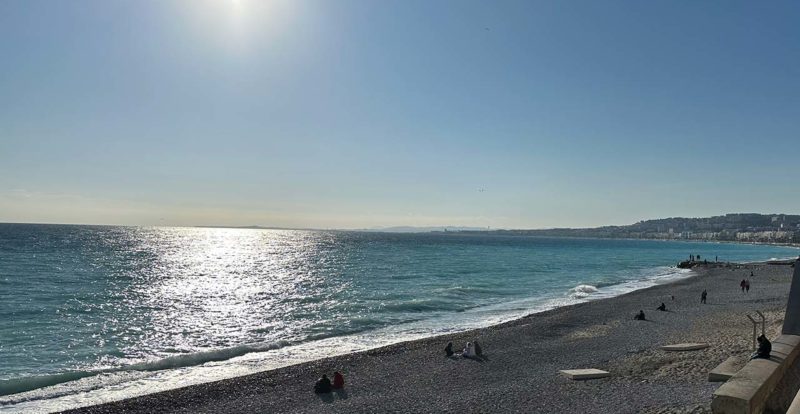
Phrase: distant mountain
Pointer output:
(743, 227)
(412, 229)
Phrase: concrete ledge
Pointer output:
(726, 369)
(748, 390)
(691, 346)
(584, 374)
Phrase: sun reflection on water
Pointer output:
(209, 288)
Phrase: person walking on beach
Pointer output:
(703, 296)
(747, 286)
(741, 284)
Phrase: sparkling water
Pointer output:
(92, 313)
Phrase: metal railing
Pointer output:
(755, 327)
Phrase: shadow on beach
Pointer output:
(330, 397)
(326, 397)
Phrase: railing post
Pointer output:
(763, 323)
(755, 324)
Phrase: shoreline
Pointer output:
(547, 305)
(415, 363)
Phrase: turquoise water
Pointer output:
(128, 310)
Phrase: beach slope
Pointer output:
(521, 371)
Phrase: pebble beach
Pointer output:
(523, 357)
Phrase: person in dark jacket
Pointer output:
(323, 385)
(764, 348)
(639, 316)
(662, 308)
(478, 349)
(703, 296)
(449, 349)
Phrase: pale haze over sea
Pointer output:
(358, 114)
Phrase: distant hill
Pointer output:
(744, 227)
(412, 229)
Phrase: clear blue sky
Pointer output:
(352, 114)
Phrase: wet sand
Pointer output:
(520, 373)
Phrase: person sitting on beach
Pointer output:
(703, 296)
(639, 316)
(449, 349)
(469, 351)
(338, 380)
(323, 385)
(478, 350)
(662, 308)
(764, 348)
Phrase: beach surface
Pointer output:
(521, 370)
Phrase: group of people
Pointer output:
(764, 345)
(745, 284)
(471, 350)
(324, 385)
(663, 307)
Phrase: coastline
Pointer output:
(524, 356)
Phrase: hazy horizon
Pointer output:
(379, 228)
(358, 114)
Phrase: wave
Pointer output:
(18, 385)
(582, 291)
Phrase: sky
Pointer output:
(356, 114)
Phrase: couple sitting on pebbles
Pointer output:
(472, 350)
(324, 386)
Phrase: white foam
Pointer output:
(582, 291)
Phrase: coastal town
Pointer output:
(735, 227)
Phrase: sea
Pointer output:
(91, 314)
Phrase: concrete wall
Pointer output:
(751, 390)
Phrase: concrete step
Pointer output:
(726, 369)
(690, 346)
(584, 374)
